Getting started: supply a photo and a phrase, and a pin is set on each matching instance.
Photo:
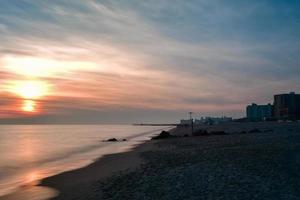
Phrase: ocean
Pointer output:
(29, 153)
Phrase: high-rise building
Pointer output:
(287, 106)
(259, 112)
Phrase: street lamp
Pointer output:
(192, 122)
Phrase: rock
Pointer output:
(112, 140)
(124, 140)
(162, 135)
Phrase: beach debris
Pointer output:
(162, 135)
(124, 140)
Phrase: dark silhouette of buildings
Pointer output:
(259, 112)
(287, 106)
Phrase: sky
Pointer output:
(127, 61)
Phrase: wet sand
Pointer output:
(79, 184)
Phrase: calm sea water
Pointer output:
(29, 153)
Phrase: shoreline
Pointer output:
(205, 166)
(109, 163)
(73, 183)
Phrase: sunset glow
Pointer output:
(30, 66)
(30, 89)
(116, 61)
(33, 67)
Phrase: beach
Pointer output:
(250, 161)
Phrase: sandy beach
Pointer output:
(243, 164)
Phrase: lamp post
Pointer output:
(192, 122)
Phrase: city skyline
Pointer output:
(132, 61)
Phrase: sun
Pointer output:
(31, 89)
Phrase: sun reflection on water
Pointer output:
(32, 178)
(29, 106)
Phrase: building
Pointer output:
(217, 120)
(287, 106)
(186, 122)
(259, 112)
(198, 122)
(212, 120)
(205, 121)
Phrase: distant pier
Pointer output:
(148, 124)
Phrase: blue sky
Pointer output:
(155, 59)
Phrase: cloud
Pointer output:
(211, 56)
